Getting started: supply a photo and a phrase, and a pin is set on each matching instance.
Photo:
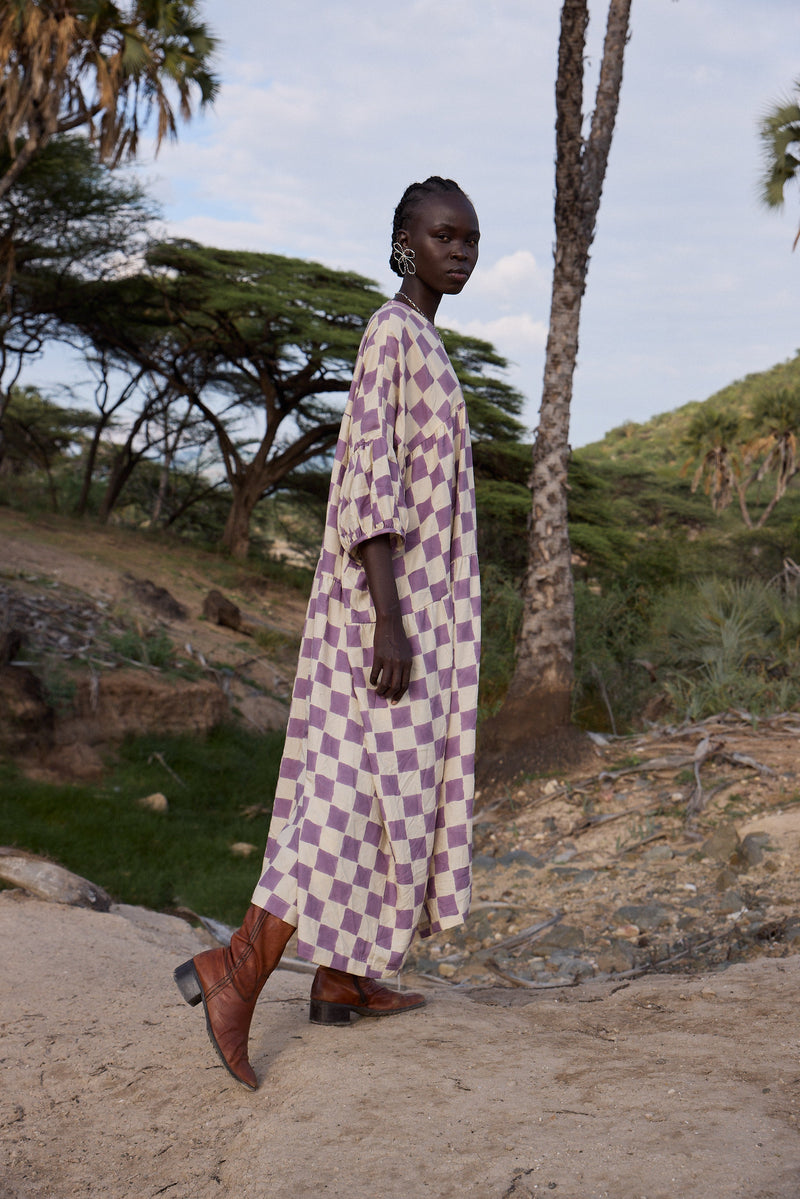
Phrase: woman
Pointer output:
(370, 838)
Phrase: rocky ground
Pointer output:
(602, 873)
(87, 612)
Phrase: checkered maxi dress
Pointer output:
(371, 832)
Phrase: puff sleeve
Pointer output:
(372, 492)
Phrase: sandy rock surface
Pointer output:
(658, 1087)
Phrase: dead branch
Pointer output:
(527, 983)
(520, 938)
(158, 757)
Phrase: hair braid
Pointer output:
(413, 196)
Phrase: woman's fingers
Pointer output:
(391, 665)
(391, 678)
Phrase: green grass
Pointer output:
(160, 860)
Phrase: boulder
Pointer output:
(156, 598)
(220, 610)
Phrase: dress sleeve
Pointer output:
(372, 494)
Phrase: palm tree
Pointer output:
(776, 420)
(539, 695)
(100, 66)
(780, 139)
(712, 437)
(731, 454)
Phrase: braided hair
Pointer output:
(412, 198)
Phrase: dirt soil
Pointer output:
(616, 1020)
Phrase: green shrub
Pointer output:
(726, 643)
(501, 606)
(153, 648)
(610, 686)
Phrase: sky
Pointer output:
(328, 110)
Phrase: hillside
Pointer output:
(657, 442)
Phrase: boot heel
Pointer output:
(320, 1012)
(188, 983)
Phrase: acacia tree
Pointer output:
(256, 342)
(538, 698)
(39, 434)
(262, 347)
(66, 219)
(101, 67)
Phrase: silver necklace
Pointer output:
(416, 308)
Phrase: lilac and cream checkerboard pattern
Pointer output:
(371, 830)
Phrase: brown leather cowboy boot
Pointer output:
(229, 981)
(336, 995)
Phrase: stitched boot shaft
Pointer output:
(231, 980)
(335, 995)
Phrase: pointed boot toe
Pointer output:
(228, 981)
(336, 996)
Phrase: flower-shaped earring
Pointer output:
(404, 257)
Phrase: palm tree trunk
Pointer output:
(538, 698)
(539, 695)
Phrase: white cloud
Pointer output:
(510, 278)
(510, 334)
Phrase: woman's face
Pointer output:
(443, 233)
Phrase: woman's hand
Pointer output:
(391, 657)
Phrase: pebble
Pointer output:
(519, 857)
(617, 957)
(751, 850)
(243, 849)
(572, 968)
(722, 844)
(155, 802)
(659, 853)
(730, 902)
(562, 936)
(647, 916)
(725, 880)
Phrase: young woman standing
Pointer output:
(370, 838)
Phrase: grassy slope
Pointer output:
(162, 860)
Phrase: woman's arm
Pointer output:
(391, 659)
